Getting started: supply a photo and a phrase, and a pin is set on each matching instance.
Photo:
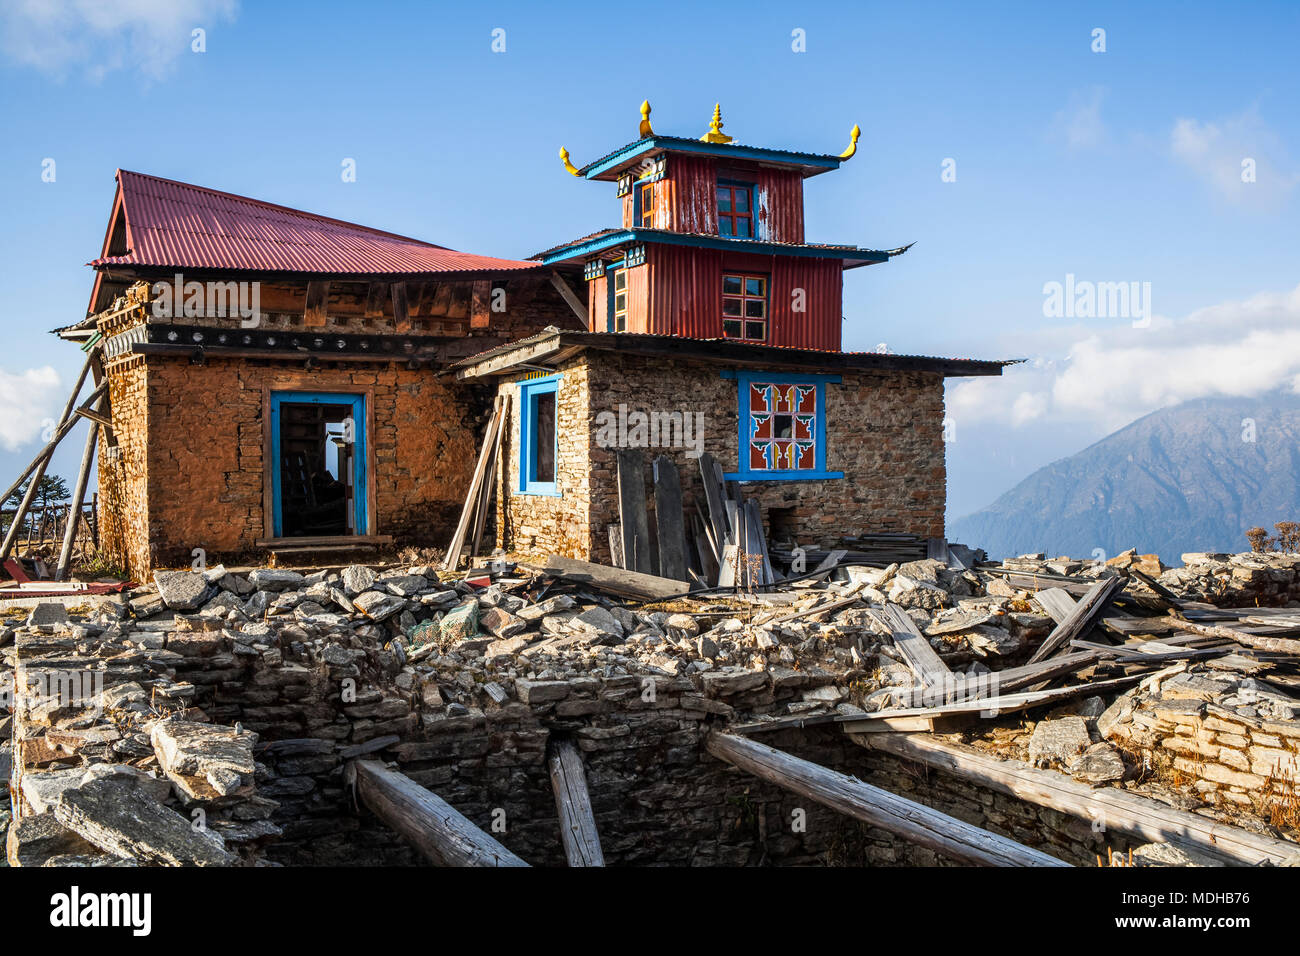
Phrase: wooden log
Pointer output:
(631, 510)
(78, 496)
(1081, 617)
(632, 584)
(917, 824)
(570, 298)
(1278, 645)
(1116, 809)
(573, 803)
(670, 522)
(433, 826)
(487, 493)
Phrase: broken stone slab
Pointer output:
(358, 578)
(1100, 763)
(35, 838)
(535, 612)
(507, 647)
(501, 623)
(123, 820)
(597, 620)
(1058, 741)
(47, 612)
(275, 579)
(378, 605)
(195, 749)
(42, 789)
(182, 590)
(533, 692)
(404, 585)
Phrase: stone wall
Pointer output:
(123, 469)
(885, 433)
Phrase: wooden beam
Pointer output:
(316, 312)
(452, 560)
(1081, 617)
(917, 824)
(436, 828)
(401, 319)
(631, 584)
(572, 802)
(631, 510)
(1116, 809)
(78, 496)
(569, 296)
(480, 313)
(915, 647)
(376, 296)
(670, 521)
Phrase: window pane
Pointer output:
(544, 437)
(742, 200)
(755, 309)
(620, 280)
(731, 306)
(754, 286)
(755, 330)
(742, 228)
(724, 226)
(620, 323)
(724, 199)
(731, 328)
(620, 302)
(731, 285)
(782, 426)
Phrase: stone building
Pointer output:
(273, 375)
(284, 382)
(714, 327)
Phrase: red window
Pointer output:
(735, 211)
(744, 307)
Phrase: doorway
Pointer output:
(318, 459)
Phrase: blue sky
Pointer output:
(1114, 166)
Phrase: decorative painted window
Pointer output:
(735, 210)
(744, 307)
(539, 435)
(618, 301)
(645, 200)
(782, 426)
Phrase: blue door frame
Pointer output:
(357, 403)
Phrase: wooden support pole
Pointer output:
(1115, 809)
(436, 828)
(915, 823)
(48, 450)
(78, 496)
(572, 802)
(498, 421)
(571, 298)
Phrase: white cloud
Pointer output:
(1216, 151)
(147, 36)
(28, 399)
(1080, 124)
(1102, 381)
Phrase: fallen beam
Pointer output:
(630, 584)
(572, 802)
(917, 824)
(1110, 807)
(433, 826)
(1081, 617)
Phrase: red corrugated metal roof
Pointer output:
(177, 225)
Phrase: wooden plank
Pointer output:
(1080, 619)
(915, 647)
(401, 318)
(670, 522)
(632, 584)
(1279, 645)
(757, 541)
(714, 494)
(480, 314)
(1057, 602)
(917, 824)
(436, 828)
(316, 312)
(495, 424)
(376, 295)
(487, 493)
(573, 804)
(631, 510)
(1144, 819)
(616, 545)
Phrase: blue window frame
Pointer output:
(539, 436)
(356, 405)
(782, 420)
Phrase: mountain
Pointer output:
(1184, 478)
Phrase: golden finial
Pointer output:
(853, 144)
(645, 120)
(715, 134)
(564, 158)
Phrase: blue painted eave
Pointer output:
(608, 167)
(849, 256)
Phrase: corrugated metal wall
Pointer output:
(597, 302)
(688, 194)
(778, 200)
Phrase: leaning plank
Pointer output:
(714, 495)
(572, 802)
(631, 510)
(436, 828)
(916, 823)
(1057, 602)
(914, 646)
(452, 560)
(1116, 809)
(78, 496)
(670, 522)
(1081, 617)
(632, 584)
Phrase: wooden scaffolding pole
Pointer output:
(78, 496)
(433, 826)
(914, 822)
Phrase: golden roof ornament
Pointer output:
(645, 120)
(564, 158)
(853, 142)
(715, 134)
